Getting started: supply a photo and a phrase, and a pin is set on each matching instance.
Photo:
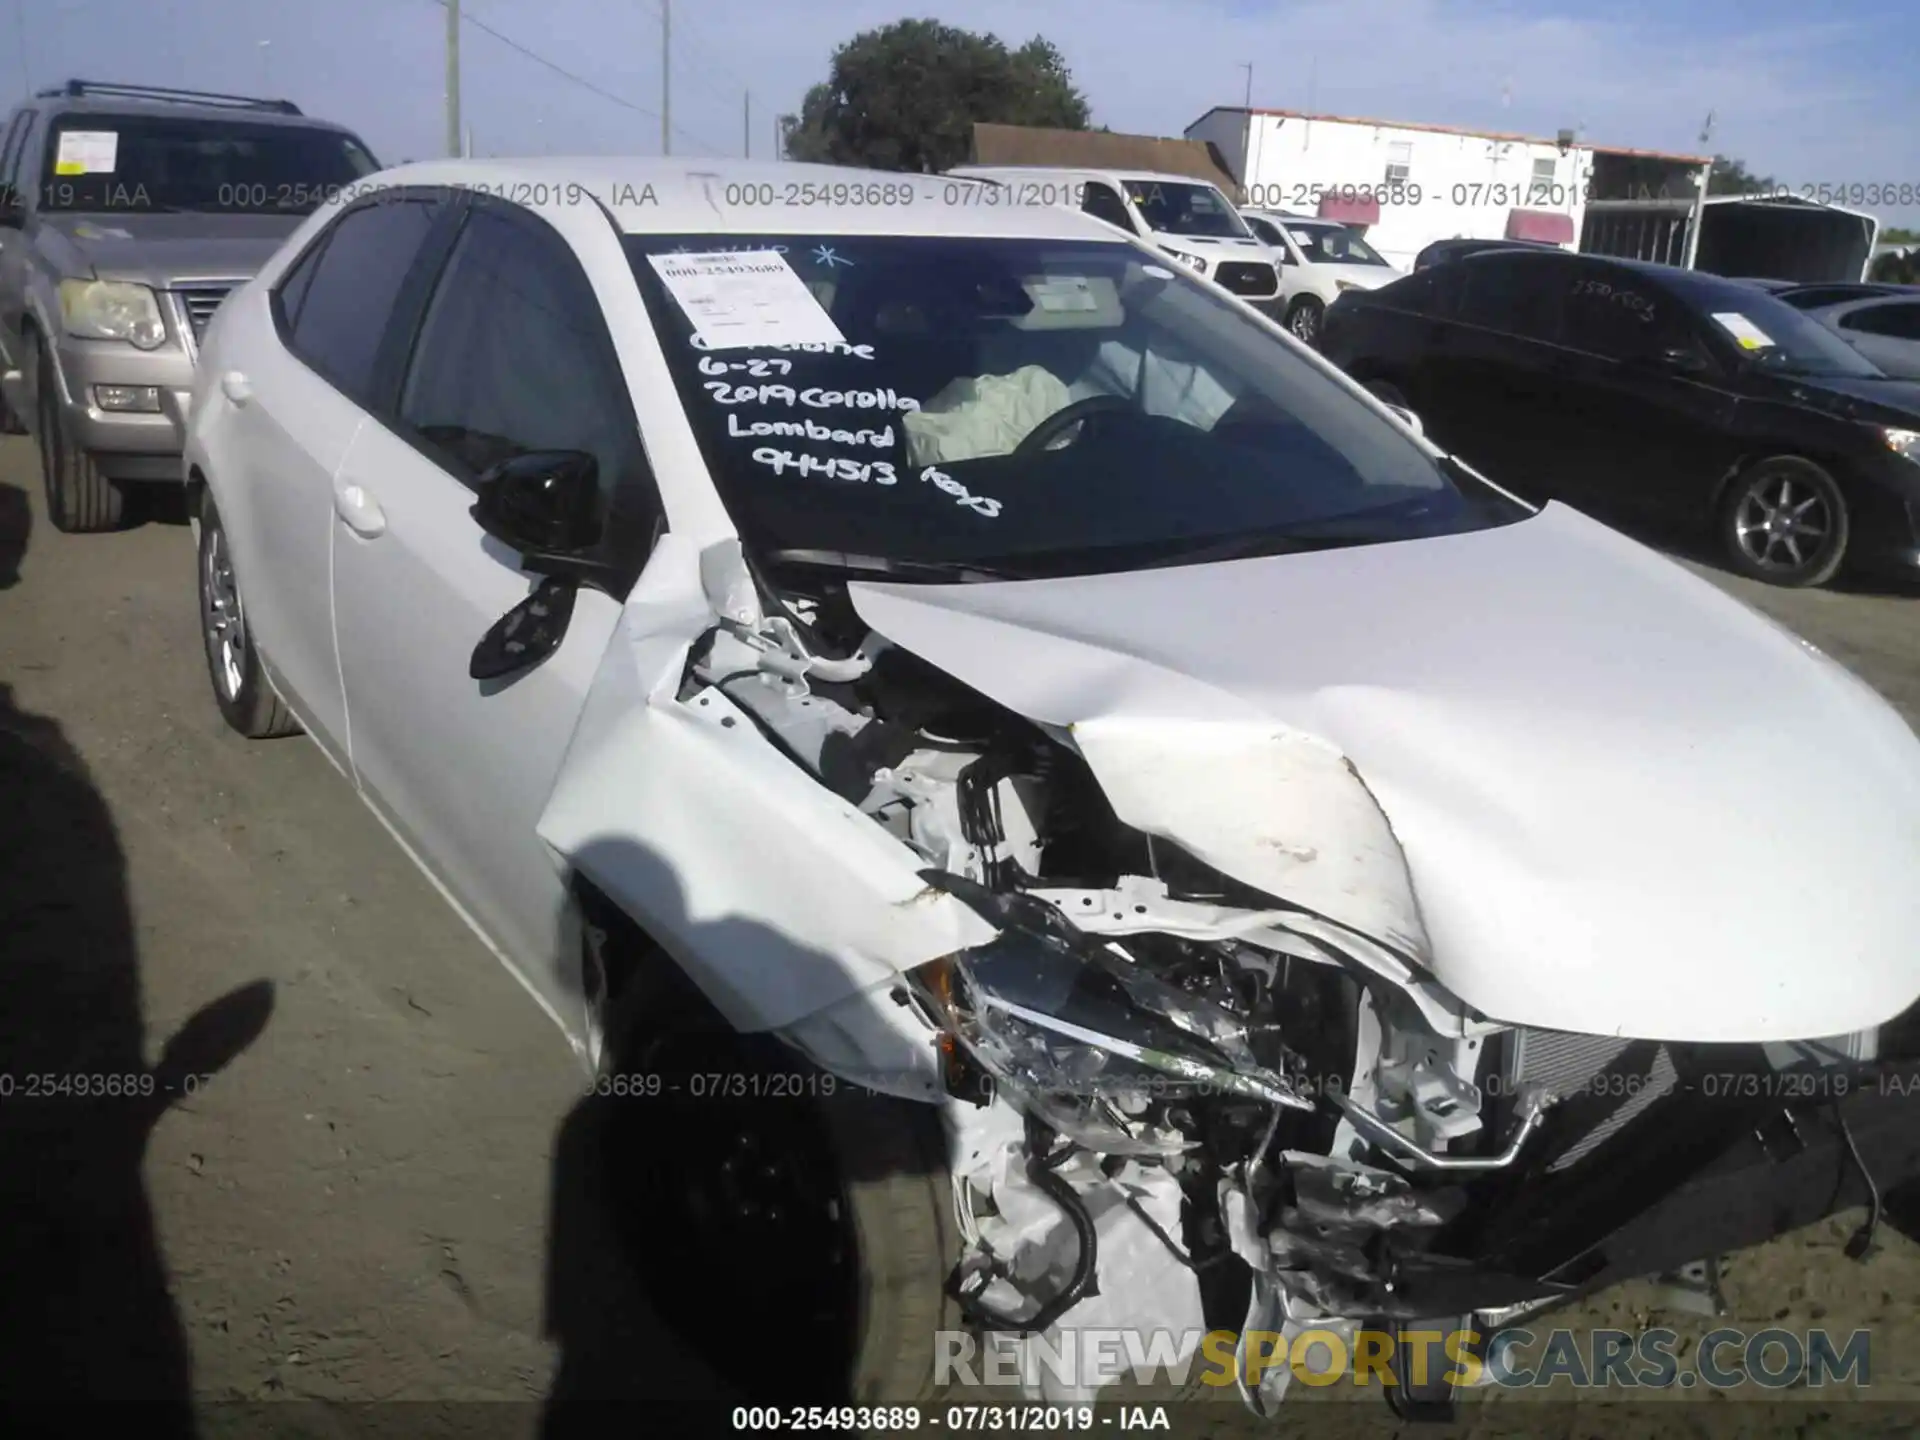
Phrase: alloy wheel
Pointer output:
(223, 621)
(1305, 324)
(1782, 522)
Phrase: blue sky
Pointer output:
(1808, 94)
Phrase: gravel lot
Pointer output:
(370, 1201)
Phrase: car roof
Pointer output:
(1696, 286)
(1096, 172)
(753, 197)
(54, 107)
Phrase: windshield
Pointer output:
(121, 164)
(1020, 407)
(1176, 208)
(1777, 337)
(1333, 245)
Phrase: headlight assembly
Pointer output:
(1192, 262)
(1903, 442)
(112, 310)
(1079, 1036)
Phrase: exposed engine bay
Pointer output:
(1181, 1103)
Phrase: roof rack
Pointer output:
(76, 89)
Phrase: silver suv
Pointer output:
(126, 215)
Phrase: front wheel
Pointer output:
(1785, 522)
(1303, 320)
(245, 698)
(744, 1171)
(81, 498)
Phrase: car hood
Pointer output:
(1370, 277)
(174, 249)
(1210, 248)
(1629, 804)
(1857, 397)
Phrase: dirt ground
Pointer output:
(368, 1201)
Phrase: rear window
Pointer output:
(126, 164)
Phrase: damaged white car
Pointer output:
(1046, 808)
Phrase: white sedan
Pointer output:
(997, 758)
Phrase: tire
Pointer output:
(861, 1303)
(1303, 320)
(1784, 492)
(240, 689)
(80, 499)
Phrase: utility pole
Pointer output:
(1246, 139)
(666, 77)
(453, 77)
(746, 125)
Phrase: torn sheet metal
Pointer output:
(779, 898)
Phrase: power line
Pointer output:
(468, 17)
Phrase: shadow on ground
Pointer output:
(86, 1319)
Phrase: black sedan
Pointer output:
(1616, 384)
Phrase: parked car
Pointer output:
(1820, 296)
(1885, 328)
(1187, 218)
(1441, 251)
(1636, 386)
(126, 215)
(949, 714)
(1319, 260)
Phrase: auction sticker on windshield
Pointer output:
(742, 299)
(1749, 335)
(87, 152)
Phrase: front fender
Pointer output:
(779, 899)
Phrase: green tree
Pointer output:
(1728, 176)
(906, 97)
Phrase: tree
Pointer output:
(906, 97)
(1727, 176)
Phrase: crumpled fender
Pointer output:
(779, 898)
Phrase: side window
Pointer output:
(1611, 313)
(1103, 202)
(291, 293)
(344, 304)
(1515, 294)
(513, 356)
(1898, 321)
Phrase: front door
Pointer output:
(512, 356)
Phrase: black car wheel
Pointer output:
(739, 1170)
(1785, 522)
(1303, 320)
(80, 499)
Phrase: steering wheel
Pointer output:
(1064, 419)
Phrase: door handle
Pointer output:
(236, 387)
(360, 510)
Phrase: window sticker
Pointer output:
(87, 152)
(741, 299)
(1748, 335)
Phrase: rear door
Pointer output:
(512, 355)
(1484, 379)
(296, 373)
(1887, 332)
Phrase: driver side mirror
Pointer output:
(545, 506)
(1683, 360)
